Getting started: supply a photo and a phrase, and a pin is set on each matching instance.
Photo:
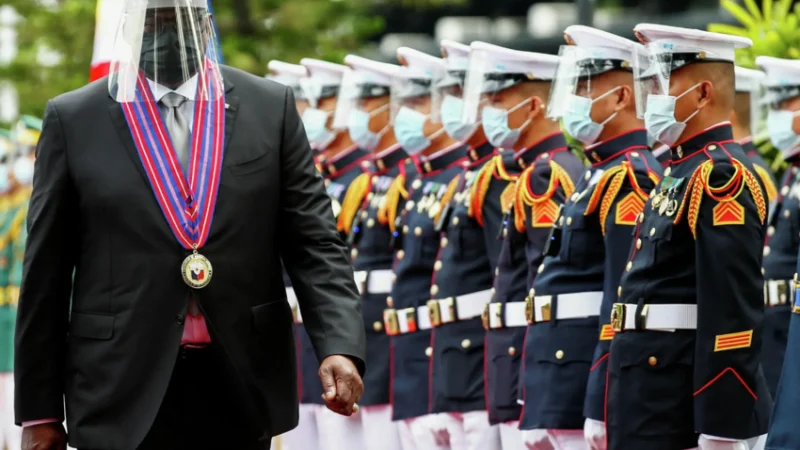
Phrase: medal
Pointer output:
(187, 201)
(663, 208)
(657, 200)
(672, 206)
(434, 209)
(196, 270)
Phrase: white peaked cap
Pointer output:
(505, 60)
(601, 44)
(150, 4)
(371, 71)
(286, 70)
(748, 80)
(455, 54)
(418, 64)
(667, 39)
(323, 72)
(780, 72)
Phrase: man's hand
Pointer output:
(46, 436)
(341, 384)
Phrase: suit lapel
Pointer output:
(121, 124)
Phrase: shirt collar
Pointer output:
(721, 132)
(615, 146)
(187, 89)
(550, 143)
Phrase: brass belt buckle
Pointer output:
(390, 323)
(434, 313)
(294, 313)
(411, 319)
(618, 317)
(485, 316)
(545, 309)
(529, 316)
(450, 304)
(497, 312)
(783, 292)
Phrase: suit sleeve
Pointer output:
(314, 255)
(43, 312)
(730, 302)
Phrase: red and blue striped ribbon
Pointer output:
(187, 205)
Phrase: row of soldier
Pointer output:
(515, 297)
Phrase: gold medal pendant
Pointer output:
(196, 270)
(657, 200)
(663, 207)
(672, 207)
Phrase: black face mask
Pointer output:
(165, 60)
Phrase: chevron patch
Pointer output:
(728, 213)
(628, 209)
(544, 214)
(606, 333)
(732, 341)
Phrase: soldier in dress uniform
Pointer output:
(746, 119)
(363, 106)
(10, 434)
(781, 251)
(462, 281)
(593, 96)
(341, 166)
(685, 357)
(508, 89)
(418, 128)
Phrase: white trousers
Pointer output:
(424, 433)
(338, 432)
(305, 436)
(554, 439)
(380, 433)
(10, 434)
(595, 433)
(470, 431)
(511, 436)
(756, 443)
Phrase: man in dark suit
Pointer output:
(129, 165)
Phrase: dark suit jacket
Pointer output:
(92, 210)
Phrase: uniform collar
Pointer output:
(611, 148)
(344, 161)
(442, 159)
(389, 158)
(478, 155)
(550, 143)
(720, 133)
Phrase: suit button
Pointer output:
(466, 343)
(560, 354)
(377, 326)
(180, 319)
(652, 361)
(389, 302)
(512, 351)
(429, 352)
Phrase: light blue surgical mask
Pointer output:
(659, 117)
(781, 131)
(5, 183)
(409, 128)
(578, 121)
(451, 111)
(495, 125)
(315, 122)
(23, 170)
(358, 127)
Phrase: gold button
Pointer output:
(364, 215)
(377, 326)
(543, 156)
(787, 213)
(389, 301)
(635, 154)
(766, 251)
(405, 229)
(370, 196)
(667, 171)
(785, 190)
(455, 220)
(561, 221)
(638, 244)
(652, 361)
(466, 343)
(434, 289)
(400, 254)
(619, 291)
(763, 271)
(353, 253)
(437, 266)
(629, 266)
(770, 231)
(712, 147)
(429, 352)
(560, 354)
(416, 184)
(410, 205)
(418, 231)
(652, 231)
(569, 221)
(512, 351)
(374, 179)
(641, 217)
(370, 223)
(587, 175)
(532, 292)
(540, 269)
(444, 242)
(574, 197)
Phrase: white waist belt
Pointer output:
(570, 306)
(507, 315)
(291, 297)
(405, 317)
(654, 317)
(373, 281)
(463, 307)
(778, 292)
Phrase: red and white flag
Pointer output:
(108, 16)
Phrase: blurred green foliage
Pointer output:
(252, 33)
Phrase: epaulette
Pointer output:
(766, 178)
(609, 186)
(544, 208)
(352, 202)
(387, 213)
(728, 210)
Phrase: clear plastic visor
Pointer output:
(484, 79)
(163, 46)
(652, 67)
(356, 90)
(415, 93)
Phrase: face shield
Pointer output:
(163, 46)
(413, 115)
(361, 98)
(758, 109)
(317, 115)
(448, 100)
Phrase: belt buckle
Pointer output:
(618, 317)
(485, 316)
(496, 310)
(390, 323)
(411, 319)
(450, 304)
(545, 309)
(294, 313)
(783, 292)
(434, 313)
(529, 316)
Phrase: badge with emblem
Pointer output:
(196, 270)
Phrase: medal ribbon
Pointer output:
(187, 205)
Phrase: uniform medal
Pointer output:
(187, 203)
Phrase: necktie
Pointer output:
(176, 125)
